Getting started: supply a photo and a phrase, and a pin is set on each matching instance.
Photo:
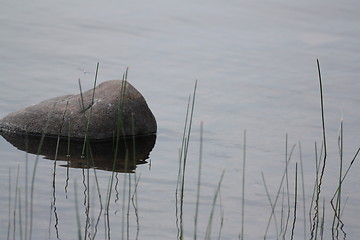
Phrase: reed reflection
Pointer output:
(96, 203)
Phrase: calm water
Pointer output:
(256, 68)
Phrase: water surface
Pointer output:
(255, 63)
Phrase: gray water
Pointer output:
(255, 62)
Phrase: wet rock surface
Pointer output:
(115, 107)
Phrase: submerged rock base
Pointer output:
(129, 153)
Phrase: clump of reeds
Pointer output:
(183, 153)
(317, 204)
(89, 227)
(21, 218)
(180, 187)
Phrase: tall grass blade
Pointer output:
(322, 222)
(179, 177)
(182, 164)
(116, 152)
(317, 168)
(318, 190)
(287, 187)
(221, 216)
(337, 207)
(217, 192)
(295, 202)
(136, 207)
(199, 182)
(9, 207)
(87, 107)
(303, 189)
(53, 203)
(26, 185)
(243, 191)
(20, 215)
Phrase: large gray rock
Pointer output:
(77, 116)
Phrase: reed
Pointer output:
(221, 210)
(243, 190)
(217, 193)
(117, 141)
(295, 202)
(337, 208)
(182, 163)
(303, 189)
(9, 207)
(134, 201)
(199, 182)
(314, 229)
(287, 185)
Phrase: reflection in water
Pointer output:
(53, 204)
(90, 157)
(99, 155)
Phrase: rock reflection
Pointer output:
(128, 152)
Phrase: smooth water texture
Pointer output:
(255, 62)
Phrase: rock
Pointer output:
(81, 115)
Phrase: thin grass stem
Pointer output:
(317, 169)
(20, 215)
(337, 208)
(287, 186)
(243, 190)
(199, 181)
(9, 207)
(136, 206)
(295, 202)
(16, 201)
(26, 185)
(221, 216)
(182, 166)
(303, 189)
(318, 192)
(91, 105)
(217, 192)
(322, 223)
